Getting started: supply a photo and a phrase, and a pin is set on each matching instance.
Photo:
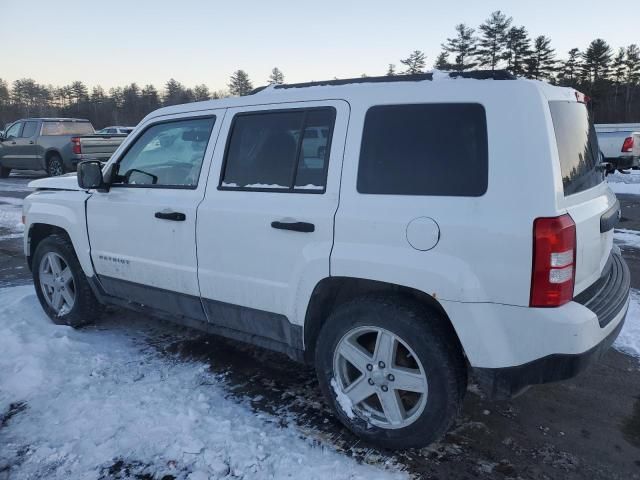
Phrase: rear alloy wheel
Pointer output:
(382, 376)
(392, 369)
(4, 172)
(55, 167)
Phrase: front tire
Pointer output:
(61, 285)
(55, 166)
(5, 172)
(391, 370)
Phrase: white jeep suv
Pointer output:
(444, 226)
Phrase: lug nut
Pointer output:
(381, 364)
(369, 367)
(384, 388)
(391, 377)
(370, 381)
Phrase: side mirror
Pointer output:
(90, 175)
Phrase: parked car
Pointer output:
(115, 130)
(620, 144)
(444, 234)
(55, 145)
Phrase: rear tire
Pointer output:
(55, 166)
(61, 285)
(410, 400)
(5, 172)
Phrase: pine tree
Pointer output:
(276, 77)
(173, 92)
(541, 63)
(632, 63)
(240, 84)
(571, 68)
(493, 40)
(391, 71)
(518, 50)
(415, 62)
(463, 46)
(442, 61)
(201, 93)
(596, 60)
(618, 66)
(79, 91)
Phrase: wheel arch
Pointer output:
(332, 292)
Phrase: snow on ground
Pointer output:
(84, 399)
(625, 183)
(627, 238)
(10, 185)
(10, 217)
(629, 339)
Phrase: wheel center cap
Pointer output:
(378, 377)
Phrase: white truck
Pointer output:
(434, 233)
(620, 144)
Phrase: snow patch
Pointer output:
(625, 183)
(629, 339)
(627, 238)
(343, 400)
(102, 393)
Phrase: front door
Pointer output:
(265, 227)
(11, 146)
(142, 232)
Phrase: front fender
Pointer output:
(64, 210)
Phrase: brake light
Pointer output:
(76, 148)
(627, 146)
(554, 257)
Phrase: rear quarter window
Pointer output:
(424, 149)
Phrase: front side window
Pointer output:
(14, 131)
(66, 128)
(167, 154)
(424, 149)
(29, 129)
(279, 151)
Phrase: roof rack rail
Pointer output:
(416, 77)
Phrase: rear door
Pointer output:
(265, 227)
(586, 195)
(27, 145)
(142, 231)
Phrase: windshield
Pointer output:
(67, 128)
(577, 146)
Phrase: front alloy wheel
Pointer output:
(382, 377)
(57, 283)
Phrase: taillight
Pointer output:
(76, 148)
(627, 145)
(554, 258)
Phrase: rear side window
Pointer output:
(577, 146)
(279, 151)
(425, 149)
(67, 128)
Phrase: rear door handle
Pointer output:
(304, 227)
(173, 216)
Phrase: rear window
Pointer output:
(426, 149)
(67, 128)
(577, 146)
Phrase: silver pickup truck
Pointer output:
(55, 145)
(620, 144)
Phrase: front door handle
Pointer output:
(31, 142)
(173, 216)
(304, 227)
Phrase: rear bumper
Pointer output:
(608, 299)
(624, 162)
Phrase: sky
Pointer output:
(113, 43)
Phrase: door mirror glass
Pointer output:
(90, 175)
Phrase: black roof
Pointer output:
(417, 77)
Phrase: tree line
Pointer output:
(610, 78)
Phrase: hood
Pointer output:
(63, 182)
